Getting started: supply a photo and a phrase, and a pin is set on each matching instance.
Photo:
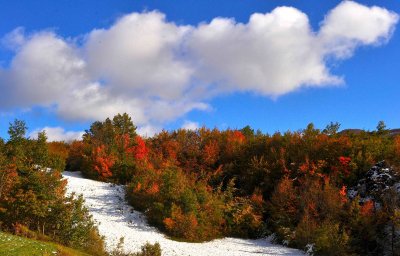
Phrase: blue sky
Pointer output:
(369, 74)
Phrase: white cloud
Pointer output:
(139, 55)
(273, 54)
(148, 131)
(157, 71)
(276, 53)
(14, 39)
(57, 134)
(190, 125)
(42, 72)
(351, 24)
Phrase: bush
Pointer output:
(149, 250)
(330, 240)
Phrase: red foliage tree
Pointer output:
(102, 162)
(210, 152)
(140, 149)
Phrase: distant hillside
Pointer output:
(392, 132)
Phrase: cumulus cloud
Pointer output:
(350, 25)
(272, 54)
(138, 55)
(57, 134)
(276, 53)
(44, 69)
(157, 71)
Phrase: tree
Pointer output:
(332, 128)
(311, 131)
(17, 143)
(41, 154)
(102, 162)
(123, 125)
(17, 130)
(381, 127)
(391, 208)
(247, 131)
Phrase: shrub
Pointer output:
(149, 250)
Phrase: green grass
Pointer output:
(11, 245)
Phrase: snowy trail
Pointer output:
(117, 219)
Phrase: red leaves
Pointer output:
(236, 137)
(344, 160)
(140, 150)
(368, 208)
(154, 189)
(284, 197)
(210, 152)
(102, 162)
(303, 168)
(169, 223)
(345, 165)
(308, 168)
(343, 193)
(138, 187)
(257, 198)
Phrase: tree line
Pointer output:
(204, 184)
(209, 183)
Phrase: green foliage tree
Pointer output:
(381, 127)
(332, 128)
(41, 154)
(17, 143)
(247, 131)
(17, 131)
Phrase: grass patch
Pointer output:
(11, 245)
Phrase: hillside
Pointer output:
(11, 245)
(116, 219)
(390, 132)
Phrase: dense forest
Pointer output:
(329, 192)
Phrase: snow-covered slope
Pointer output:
(117, 219)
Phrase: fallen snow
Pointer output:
(116, 219)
